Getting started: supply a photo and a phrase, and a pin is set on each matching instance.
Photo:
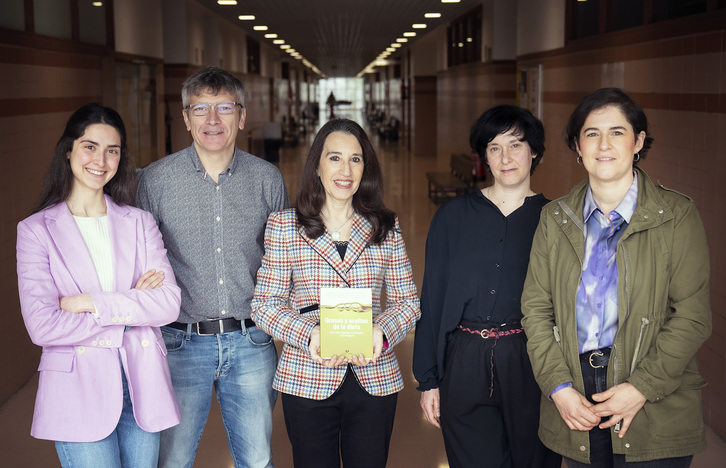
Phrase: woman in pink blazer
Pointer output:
(340, 235)
(95, 285)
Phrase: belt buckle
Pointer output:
(199, 332)
(487, 333)
(595, 353)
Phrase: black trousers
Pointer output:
(351, 424)
(601, 445)
(498, 430)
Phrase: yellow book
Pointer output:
(346, 322)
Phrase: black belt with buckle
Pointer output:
(213, 327)
(597, 358)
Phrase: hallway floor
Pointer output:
(415, 443)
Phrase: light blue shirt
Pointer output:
(597, 294)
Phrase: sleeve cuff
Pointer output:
(560, 387)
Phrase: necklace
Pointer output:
(336, 231)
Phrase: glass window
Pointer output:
(625, 14)
(253, 56)
(92, 21)
(13, 16)
(136, 103)
(52, 18)
(669, 9)
(586, 18)
(464, 39)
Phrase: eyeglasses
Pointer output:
(222, 108)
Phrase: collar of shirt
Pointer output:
(625, 209)
(199, 167)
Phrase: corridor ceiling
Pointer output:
(340, 37)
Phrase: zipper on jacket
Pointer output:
(644, 322)
(556, 331)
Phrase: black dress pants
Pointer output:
(498, 430)
(351, 424)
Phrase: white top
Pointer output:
(98, 241)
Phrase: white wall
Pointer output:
(427, 54)
(196, 48)
(504, 30)
(138, 27)
(211, 41)
(540, 25)
(176, 38)
(233, 47)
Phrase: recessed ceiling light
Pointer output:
(285, 46)
(396, 45)
(270, 36)
(246, 17)
(97, 4)
(401, 39)
(418, 26)
(278, 41)
(432, 15)
(390, 49)
(260, 28)
(450, 1)
(409, 34)
(227, 2)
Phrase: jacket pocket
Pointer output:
(549, 417)
(55, 361)
(677, 416)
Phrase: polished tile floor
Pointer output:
(415, 443)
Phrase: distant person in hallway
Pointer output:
(340, 235)
(470, 356)
(616, 302)
(212, 201)
(330, 102)
(95, 284)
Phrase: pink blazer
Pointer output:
(80, 391)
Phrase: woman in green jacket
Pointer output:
(616, 302)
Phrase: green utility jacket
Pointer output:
(663, 318)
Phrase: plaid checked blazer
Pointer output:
(294, 269)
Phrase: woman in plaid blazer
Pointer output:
(340, 235)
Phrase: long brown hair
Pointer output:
(367, 201)
(59, 178)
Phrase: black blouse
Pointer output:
(476, 263)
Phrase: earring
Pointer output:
(579, 160)
(637, 157)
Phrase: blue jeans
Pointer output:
(127, 446)
(601, 446)
(239, 365)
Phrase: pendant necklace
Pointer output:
(335, 234)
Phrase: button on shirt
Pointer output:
(597, 294)
(213, 231)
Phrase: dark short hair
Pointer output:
(367, 201)
(59, 178)
(215, 80)
(605, 97)
(502, 119)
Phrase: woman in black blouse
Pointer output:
(470, 355)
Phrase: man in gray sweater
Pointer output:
(211, 202)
